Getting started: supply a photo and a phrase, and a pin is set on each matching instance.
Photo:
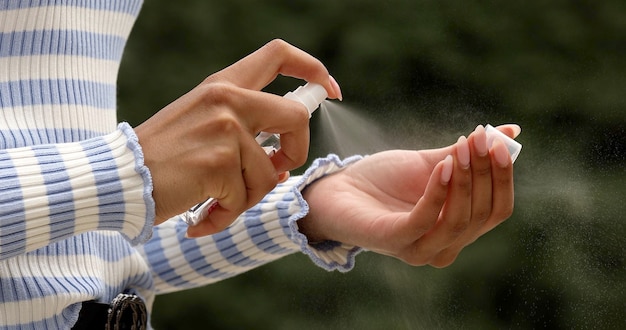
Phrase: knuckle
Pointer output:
(225, 127)
(416, 260)
(465, 187)
(277, 46)
(229, 124)
(417, 256)
(301, 116)
(299, 158)
(223, 158)
(503, 180)
(483, 171)
(481, 216)
(443, 260)
(504, 214)
(438, 199)
(458, 228)
(217, 93)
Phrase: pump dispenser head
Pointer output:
(311, 95)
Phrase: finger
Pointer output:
(481, 198)
(426, 212)
(511, 130)
(245, 186)
(456, 213)
(260, 111)
(283, 177)
(503, 199)
(503, 190)
(481, 181)
(230, 200)
(290, 120)
(261, 67)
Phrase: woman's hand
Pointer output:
(202, 145)
(422, 207)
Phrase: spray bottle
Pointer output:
(311, 95)
(513, 146)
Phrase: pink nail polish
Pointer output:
(336, 88)
(516, 130)
(463, 152)
(480, 141)
(501, 154)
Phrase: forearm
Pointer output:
(260, 235)
(266, 232)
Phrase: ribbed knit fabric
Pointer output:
(76, 210)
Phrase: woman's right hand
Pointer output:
(202, 145)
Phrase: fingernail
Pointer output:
(480, 141)
(336, 88)
(501, 153)
(463, 152)
(446, 171)
(282, 177)
(515, 127)
(516, 130)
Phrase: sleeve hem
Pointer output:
(140, 168)
(329, 255)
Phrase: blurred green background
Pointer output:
(421, 73)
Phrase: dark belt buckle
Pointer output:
(127, 312)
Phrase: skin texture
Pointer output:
(202, 144)
(422, 207)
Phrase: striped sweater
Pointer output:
(76, 210)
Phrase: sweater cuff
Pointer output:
(329, 255)
(141, 207)
(61, 190)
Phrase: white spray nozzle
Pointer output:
(513, 146)
(311, 95)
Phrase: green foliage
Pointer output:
(428, 71)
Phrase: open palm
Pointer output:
(422, 207)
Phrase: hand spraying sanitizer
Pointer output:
(311, 95)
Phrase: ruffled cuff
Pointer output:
(147, 222)
(329, 255)
(54, 191)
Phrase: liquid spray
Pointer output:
(311, 95)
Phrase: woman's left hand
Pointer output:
(422, 207)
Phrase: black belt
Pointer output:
(125, 312)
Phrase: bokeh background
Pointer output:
(417, 74)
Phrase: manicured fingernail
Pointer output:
(501, 153)
(336, 88)
(480, 141)
(463, 152)
(514, 127)
(516, 130)
(446, 171)
(282, 177)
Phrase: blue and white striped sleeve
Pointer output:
(266, 232)
(53, 191)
